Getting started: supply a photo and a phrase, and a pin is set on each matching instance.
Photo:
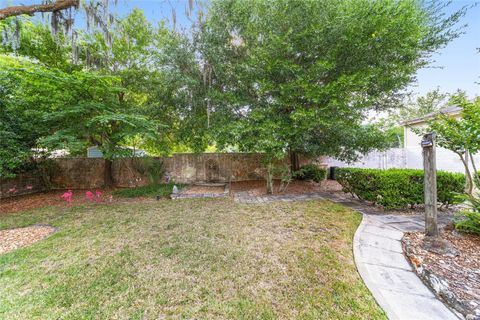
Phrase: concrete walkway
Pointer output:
(386, 272)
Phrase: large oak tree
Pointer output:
(302, 76)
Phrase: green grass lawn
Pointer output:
(187, 259)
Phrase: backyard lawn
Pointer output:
(200, 258)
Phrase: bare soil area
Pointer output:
(462, 273)
(54, 198)
(12, 239)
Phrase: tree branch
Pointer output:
(30, 10)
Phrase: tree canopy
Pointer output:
(460, 135)
(261, 76)
(303, 75)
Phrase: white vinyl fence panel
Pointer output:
(392, 158)
(410, 157)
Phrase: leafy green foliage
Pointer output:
(460, 135)
(303, 75)
(145, 79)
(311, 172)
(37, 42)
(469, 220)
(258, 76)
(286, 177)
(152, 167)
(397, 188)
(13, 151)
(22, 108)
(161, 74)
(72, 110)
(151, 190)
(432, 102)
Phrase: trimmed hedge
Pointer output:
(311, 172)
(397, 188)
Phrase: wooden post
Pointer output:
(430, 184)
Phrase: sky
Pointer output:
(456, 66)
(459, 61)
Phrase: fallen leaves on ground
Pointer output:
(54, 198)
(462, 272)
(12, 239)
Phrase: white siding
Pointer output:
(94, 152)
(411, 139)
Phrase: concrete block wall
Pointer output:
(187, 167)
(88, 173)
(22, 184)
(77, 173)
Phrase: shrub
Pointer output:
(151, 167)
(469, 220)
(311, 172)
(397, 188)
(286, 177)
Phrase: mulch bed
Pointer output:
(461, 288)
(54, 198)
(12, 239)
(258, 187)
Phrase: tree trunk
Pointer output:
(430, 187)
(108, 177)
(269, 178)
(468, 176)
(476, 178)
(294, 161)
(30, 10)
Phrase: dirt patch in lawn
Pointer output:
(258, 187)
(457, 278)
(13, 239)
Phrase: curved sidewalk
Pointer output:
(388, 275)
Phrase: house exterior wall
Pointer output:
(94, 152)
(411, 139)
(446, 159)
